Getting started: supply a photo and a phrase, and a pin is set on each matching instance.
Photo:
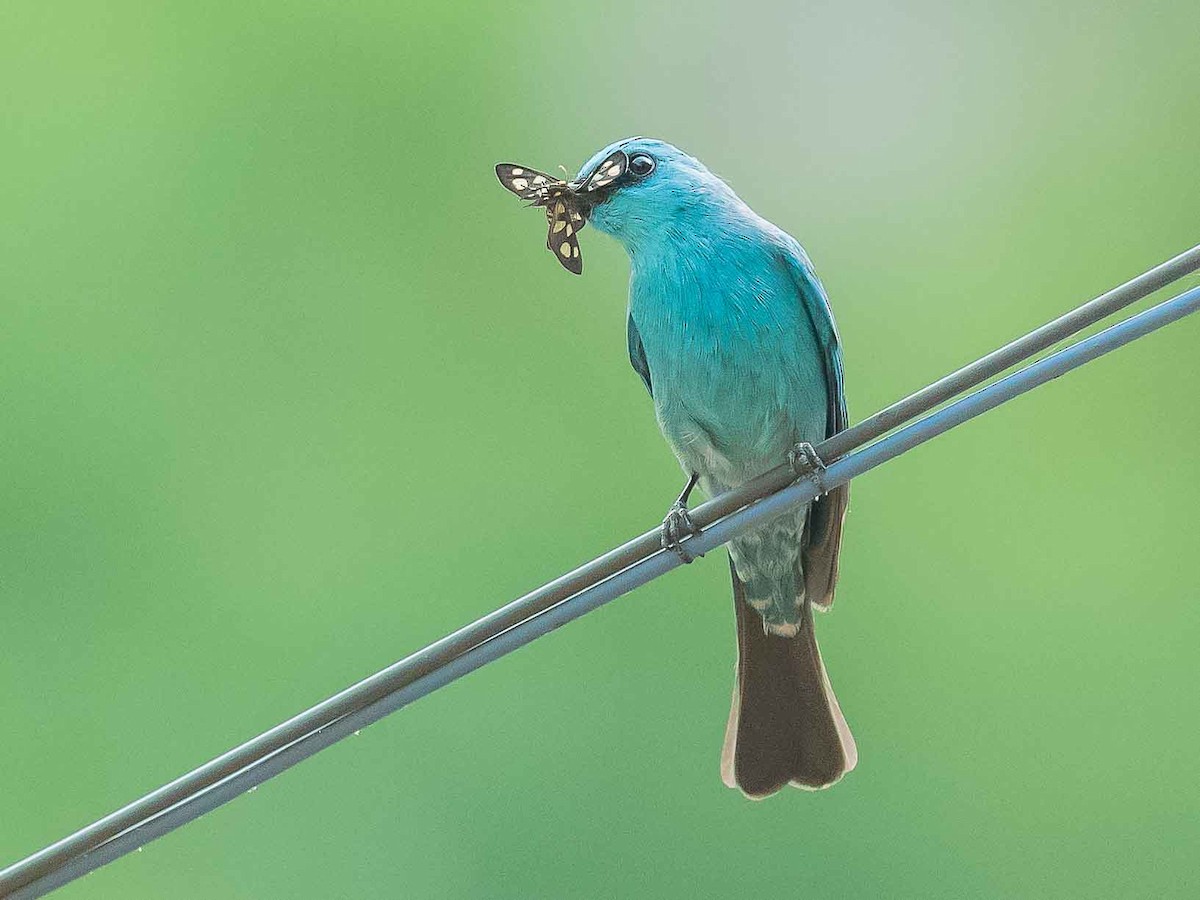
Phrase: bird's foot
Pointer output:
(675, 527)
(806, 463)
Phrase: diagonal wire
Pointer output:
(599, 581)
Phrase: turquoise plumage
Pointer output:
(732, 334)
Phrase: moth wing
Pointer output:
(563, 237)
(575, 218)
(612, 168)
(526, 183)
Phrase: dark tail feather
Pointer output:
(785, 725)
(823, 544)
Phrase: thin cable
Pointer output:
(224, 777)
(445, 650)
(448, 648)
(659, 564)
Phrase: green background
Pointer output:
(289, 387)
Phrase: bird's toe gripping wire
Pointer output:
(806, 463)
(678, 524)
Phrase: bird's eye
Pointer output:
(641, 165)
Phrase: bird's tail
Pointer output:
(785, 726)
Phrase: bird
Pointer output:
(732, 334)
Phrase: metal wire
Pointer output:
(601, 580)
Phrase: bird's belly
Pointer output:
(737, 374)
(732, 425)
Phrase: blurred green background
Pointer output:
(289, 387)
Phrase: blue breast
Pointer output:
(735, 363)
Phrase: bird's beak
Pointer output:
(582, 200)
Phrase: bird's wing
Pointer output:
(823, 534)
(637, 353)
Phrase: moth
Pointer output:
(567, 203)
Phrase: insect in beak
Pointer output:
(567, 203)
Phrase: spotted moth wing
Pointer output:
(526, 183)
(612, 168)
(563, 237)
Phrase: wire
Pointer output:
(600, 581)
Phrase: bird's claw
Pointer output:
(675, 527)
(806, 463)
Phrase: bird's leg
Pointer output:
(805, 462)
(678, 524)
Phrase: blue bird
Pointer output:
(732, 335)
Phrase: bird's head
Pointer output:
(639, 190)
(659, 189)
